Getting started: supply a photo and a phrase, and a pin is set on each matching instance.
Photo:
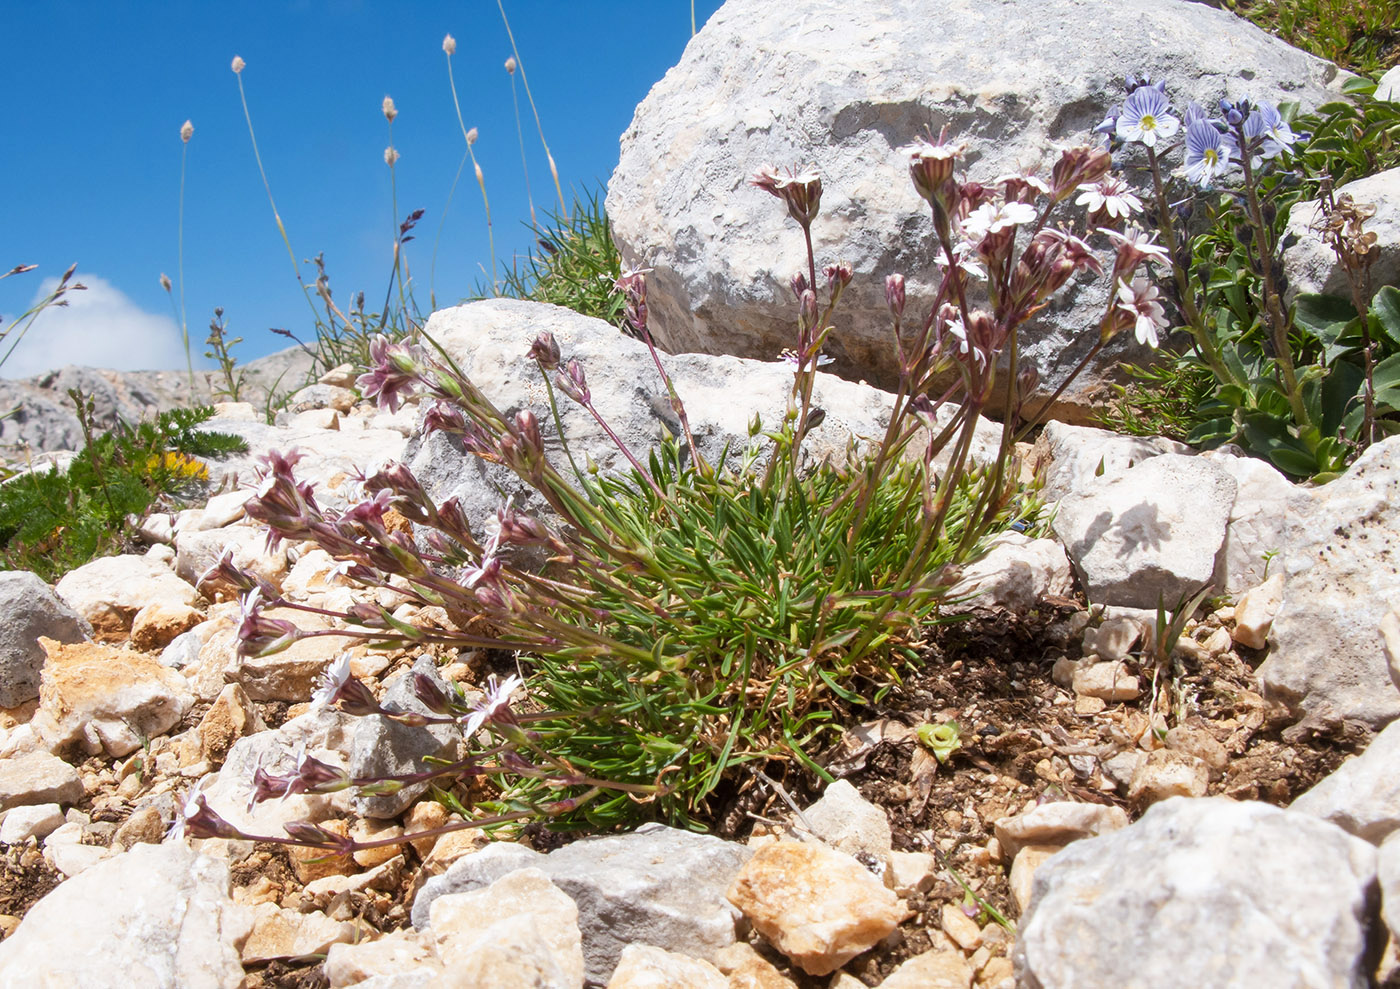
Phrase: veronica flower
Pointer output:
(1140, 301)
(1194, 112)
(495, 706)
(1147, 117)
(1207, 153)
(1268, 123)
(1111, 195)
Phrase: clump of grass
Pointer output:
(52, 521)
(574, 264)
(1362, 36)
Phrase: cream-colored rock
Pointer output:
(316, 419)
(1107, 681)
(1197, 741)
(1057, 823)
(289, 675)
(960, 927)
(910, 872)
(159, 622)
(818, 906)
(31, 778)
(108, 592)
(279, 933)
(236, 411)
(95, 698)
(311, 864)
(35, 821)
(998, 973)
(1168, 773)
(401, 951)
(1390, 643)
(931, 970)
(645, 967)
(1255, 611)
(747, 969)
(372, 830)
(143, 827)
(312, 576)
(1028, 859)
(520, 930)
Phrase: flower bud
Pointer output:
(894, 294)
(931, 169)
(802, 192)
(431, 696)
(798, 284)
(545, 350)
(807, 313)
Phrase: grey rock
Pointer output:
(1265, 520)
(38, 778)
(1343, 577)
(1311, 264)
(722, 395)
(182, 651)
(1362, 796)
(1193, 895)
(157, 916)
(656, 886)
(1075, 457)
(380, 746)
(1014, 573)
(45, 419)
(1151, 534)
(29, 609)
(843, 86)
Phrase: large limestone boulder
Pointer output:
(842, 86)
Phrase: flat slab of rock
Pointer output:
(108, 592)
(38, 778)
(1150, 535)
(158, 916)
(1196, 894)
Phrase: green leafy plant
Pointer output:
(54, 520)
(701, 617)
(1360, 35)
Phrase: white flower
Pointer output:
(192, 807)
(1110, 195)
(1140, 300)
(335, 677)
(957, 329)
(497, 697)
(988, 219)
(965, 254)
(1136, 245)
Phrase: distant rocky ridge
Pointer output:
(44, 419)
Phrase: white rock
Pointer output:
(1388, 872)
(1326, 657)
(1058, 822)
(490, 339)
(1255, 611)
(1362, 795)
(1168, 773)
(38, 778)
(392, 954)
(1389, 86)
(1114, 639)
(1151, 534)
(1014, 574)
(279, 933)
(849, 823)
(1264, 521)
(157, 916)
(842, 86)
(199, 549)
(1312, 266)
(520, 930)
(36, 821)
(109, 591)
(72, 858)
(644, 967)
(1074, 457)
(1206, 892)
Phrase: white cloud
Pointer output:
(100, 327)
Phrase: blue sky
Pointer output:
(91, 171)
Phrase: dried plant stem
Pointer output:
(480, 177)
(553, 170)
(281, 229)
(180, 267)
(520, 135)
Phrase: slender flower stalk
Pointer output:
(525, 81)
(449, 46)
(520, 137)
(186, 132)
